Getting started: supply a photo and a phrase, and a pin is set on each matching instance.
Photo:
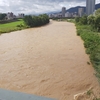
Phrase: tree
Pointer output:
(97, 12)
(83, 20)
(34, 21)
(77, 19)
(2, 16)
(28, 20)
(91, 20)
(97, 22)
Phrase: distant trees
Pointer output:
(2, 16)
(34, 21)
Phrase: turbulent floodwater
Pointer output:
(47, 61)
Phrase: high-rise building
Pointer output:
(63, 11)
(90, 7)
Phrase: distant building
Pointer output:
(74, 14)
(21, 15)
(67, 14)
(59, 15)
(90, 7)
(80, 12)
(63, 11)
(55, 15)
(10, 16)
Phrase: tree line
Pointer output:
(2, 16)
(34, 21)
(92, 20)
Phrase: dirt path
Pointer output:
(47, 61)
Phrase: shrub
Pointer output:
(36, 20)
(97, 12)
(92, 45)
(91, 20)
(20, 25)
(2, 16)
(83, 20)
(28, 20)
(77, 19)
(97, 22)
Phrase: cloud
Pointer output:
(37, 6)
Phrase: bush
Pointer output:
(92, 45)
(91, 20)
(83, 20)
(97, 12)
(97, 22)
(36, 20)
(77, 19)
(87, 28)
(2, 16)
(20, 25)
(28, 21)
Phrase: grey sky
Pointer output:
(38, 6)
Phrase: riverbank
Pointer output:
(91, 40)
(12, 26)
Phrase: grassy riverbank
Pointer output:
(92, 44)
(12, 26)
(91, 38)
(28, 21)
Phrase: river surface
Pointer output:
(47, 61)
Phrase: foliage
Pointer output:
(92, 44)
(2, 16)
(87, 28)
(36, 20)
(97, 12)
(90, 93)
(97, 22)
(77, 19)
(28, 20)
(83, 20)
(12, 26)
(91, 20)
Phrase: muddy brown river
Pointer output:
(47, 61)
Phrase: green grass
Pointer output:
(12, 26)
(92, 44)
(71, 20)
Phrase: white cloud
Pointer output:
(37, 6)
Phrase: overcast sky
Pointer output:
(38, 6)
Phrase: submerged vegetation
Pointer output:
(89, 30)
